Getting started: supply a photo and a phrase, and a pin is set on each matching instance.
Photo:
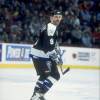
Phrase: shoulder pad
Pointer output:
(43, 28)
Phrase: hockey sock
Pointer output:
(42, 86)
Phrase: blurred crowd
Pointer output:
(21, 20)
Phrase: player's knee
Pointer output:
(44, 75)
(56, 76)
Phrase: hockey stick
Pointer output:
(66, 70)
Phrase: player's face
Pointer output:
(56, 19)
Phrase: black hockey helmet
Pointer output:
(55, 12)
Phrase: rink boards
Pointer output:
(32, 66)
(17, 56)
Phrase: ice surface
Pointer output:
(77, 84)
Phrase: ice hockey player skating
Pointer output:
(45, 56)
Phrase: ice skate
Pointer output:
(35, 96)
(42, 98)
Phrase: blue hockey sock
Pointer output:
(43, 86)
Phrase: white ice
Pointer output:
(77, 84)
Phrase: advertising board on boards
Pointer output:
(17, 53)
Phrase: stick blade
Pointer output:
(65, 71)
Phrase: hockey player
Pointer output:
(44, 57)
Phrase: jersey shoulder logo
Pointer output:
(43, 28)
